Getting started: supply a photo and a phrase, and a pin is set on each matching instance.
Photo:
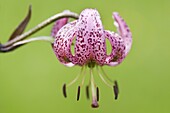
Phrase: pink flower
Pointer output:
(90, 46)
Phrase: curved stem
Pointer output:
(40, 38)
(7, 46)
(23, 42)
(42, 25)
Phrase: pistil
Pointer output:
(94, 96)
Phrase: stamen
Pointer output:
(64, 90)
(97, 92)
(116, 90)
(87, 92)
(87, 89)
(116, 84)
(106, 75)
(94, 98)
(76, 78)
(71, 83)
(82, 83)
(84, 75)
(78, 93)
(103, 78)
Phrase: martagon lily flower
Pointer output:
(90, 48)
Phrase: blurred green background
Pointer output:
(31, 77)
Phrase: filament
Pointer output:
(106, 75)
(76, 78)
(103, 78)
(82, 82)
(84, 75)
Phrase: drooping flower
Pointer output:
(90, 47)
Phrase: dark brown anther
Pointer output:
(87, 92)
(116, 84)
(78, 93)
(97, 93)
(116, 90)
(64, 90)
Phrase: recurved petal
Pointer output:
(90, 41)
(118, 48)
(58, 25)
(62, 43)
(123, 30)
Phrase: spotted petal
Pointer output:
(123, 30)
(90, 41)
(58, 25)
(118, 48)
(62, 43)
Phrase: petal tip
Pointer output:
(70, 64)
(113, 63)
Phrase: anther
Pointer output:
(64, 90)
(116, 90)
(78, 93)
(97, 93)
(87, 92)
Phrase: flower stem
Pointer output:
(42, 25)
(36, 28)
(39, 38)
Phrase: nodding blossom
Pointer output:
(90, 47)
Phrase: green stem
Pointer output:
(42, 25)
